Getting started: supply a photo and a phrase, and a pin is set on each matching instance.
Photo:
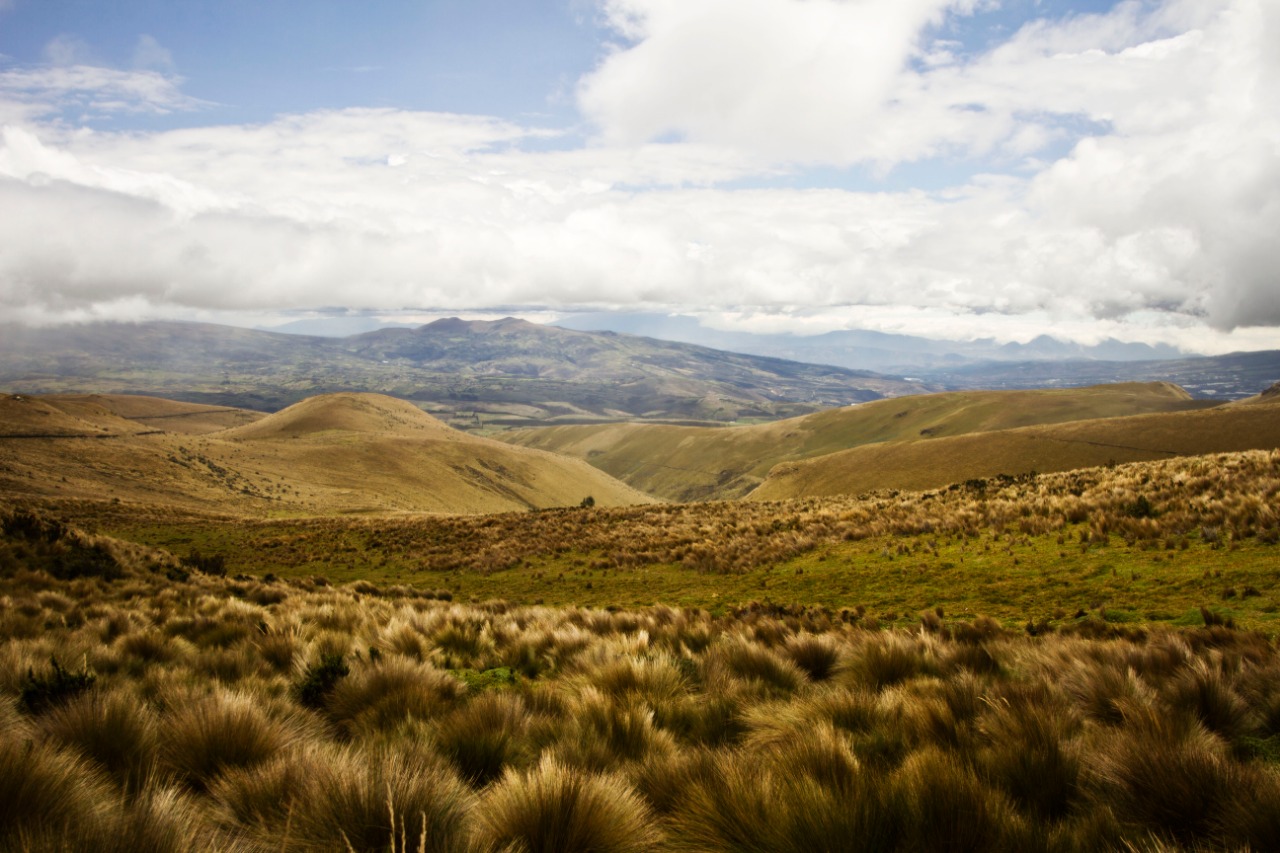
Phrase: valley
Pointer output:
(476, 375)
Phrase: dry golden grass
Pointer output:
(700, 463)
(933, 462)
(158, 413)
(655, 729)
(339, 453)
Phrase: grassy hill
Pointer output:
(696, 463)
(338, 453)
(935, 462)
(473, 374)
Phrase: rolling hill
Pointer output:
(337, 453)
(699, 463)
(932, 463)
(474, 374)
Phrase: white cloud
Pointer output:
(1162, 221)
(88, 91)
(149, 53)
(67, 49)
(795, 80)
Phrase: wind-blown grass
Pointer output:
(503, 725)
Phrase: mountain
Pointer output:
(337, 453)
(930, 463)
(868, 350)
(472, 373)
(700, 463)
(1044, 362)
(1219, 377)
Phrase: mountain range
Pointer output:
(1043, 362)
(473, 374)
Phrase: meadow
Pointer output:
(1143, 542)
(1073, 661)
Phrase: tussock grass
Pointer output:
(939, 798)
(381, 695)
(552, 808)
(112, 731)
(407, 800)
(748, 805)
(204, 737)
(485, 736)
(46, 790)
(759, 725)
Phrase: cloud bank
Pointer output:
(1122, 170)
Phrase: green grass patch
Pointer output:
(489, 679)
(1012, 578)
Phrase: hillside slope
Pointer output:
(933, 463)
(697, 463)
(157, 413)
(336, 453)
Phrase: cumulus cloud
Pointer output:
(1161, 212)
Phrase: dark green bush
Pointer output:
(319, 679)
(41, 692)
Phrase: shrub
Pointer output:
(41, 692)
(555, 809)
(319, 679)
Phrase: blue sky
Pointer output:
(254, 60)
(955, 168)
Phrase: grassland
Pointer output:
(934, 462)
(1137, 543)
(148, 706)
(701, 463)
(1079, 660)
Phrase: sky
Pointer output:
(948, 168)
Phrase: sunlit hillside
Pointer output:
(337, 453)
(697, 463)
(934, 462)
